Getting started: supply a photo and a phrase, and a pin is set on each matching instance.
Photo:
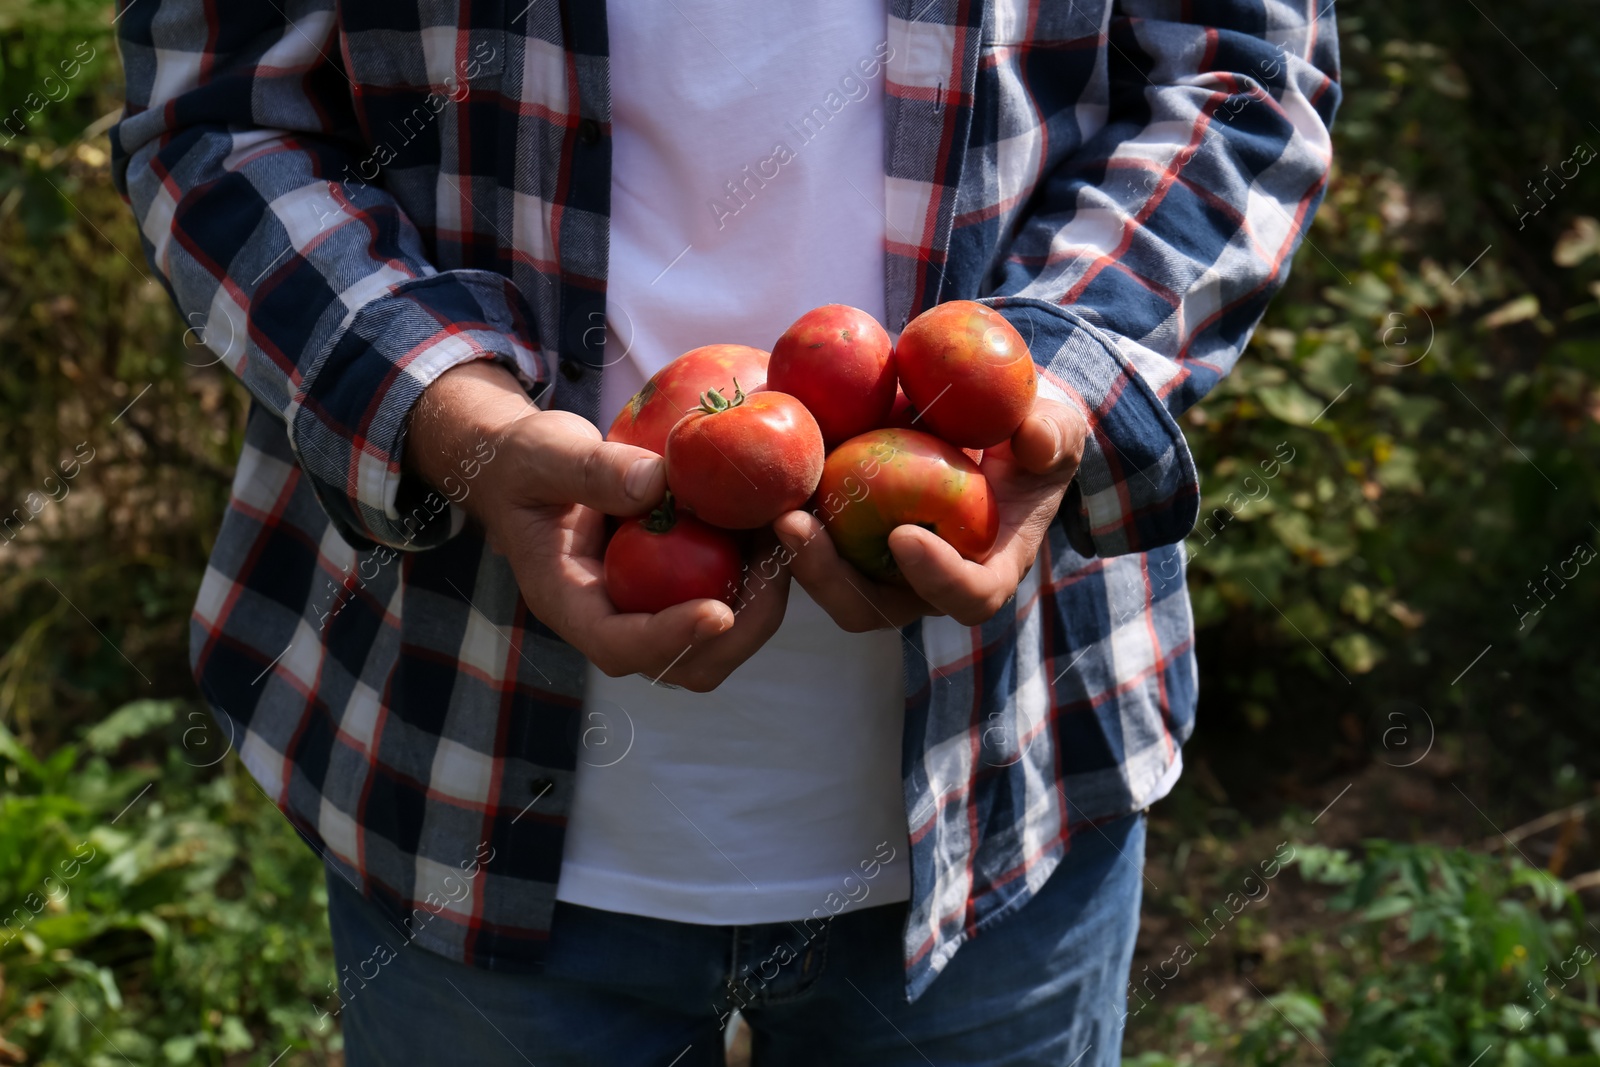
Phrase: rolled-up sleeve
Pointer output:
(238, 152)
(1150, 254)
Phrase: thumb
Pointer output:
(1050, 440)
(575, 467)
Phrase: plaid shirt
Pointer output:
(348, 198)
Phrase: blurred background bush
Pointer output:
(1391, 579)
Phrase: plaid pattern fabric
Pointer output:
(355, 196)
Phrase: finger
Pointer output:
(637, 643)
(761, 597)
(763, 593)
(816, 565)
(853, 600)
(759, 610)
(555, 555)
(968, 592)
(572, 465)
(1050, 440)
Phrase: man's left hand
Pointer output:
(1027, 474)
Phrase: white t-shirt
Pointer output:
(747, 187)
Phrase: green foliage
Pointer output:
(108, 509)
(153, 913)
(1274, 1031)
(1461, 952)
(195, 931)
(1413, 435)
(57, 62)
(1444, 954)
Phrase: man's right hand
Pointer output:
(542, 501)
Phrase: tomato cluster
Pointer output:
(875, 435)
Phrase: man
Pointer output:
(443, 242)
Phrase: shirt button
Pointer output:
(588, 132)
(571, 370)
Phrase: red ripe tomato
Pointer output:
(904, 417)
(741, 463)
(838, 362)
(670, 557)
(888, 478)
(675, 389)
(969, 373)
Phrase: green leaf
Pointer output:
(1329, 866)
(1330, 370)
(1290, 403)
(1399, 470)
(1521, 309)
(1386, 908)
(1357, 652)
(131, 720)
(234, 1037)
(12, 750)
(180, 1050)
(1578, 242)
(1367, 296)
(1297, 532)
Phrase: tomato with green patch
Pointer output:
(888, 478)
(674, 391)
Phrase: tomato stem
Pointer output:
(712, 400)
(664, 517)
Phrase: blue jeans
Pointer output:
(1044, 985)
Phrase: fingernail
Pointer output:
(1058, 437)
(636, 483)
(910, 552)
(711, 627)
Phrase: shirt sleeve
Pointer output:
(240, 154)
(1152, 251)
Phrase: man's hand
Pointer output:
(1028, 475)
(543, 507)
